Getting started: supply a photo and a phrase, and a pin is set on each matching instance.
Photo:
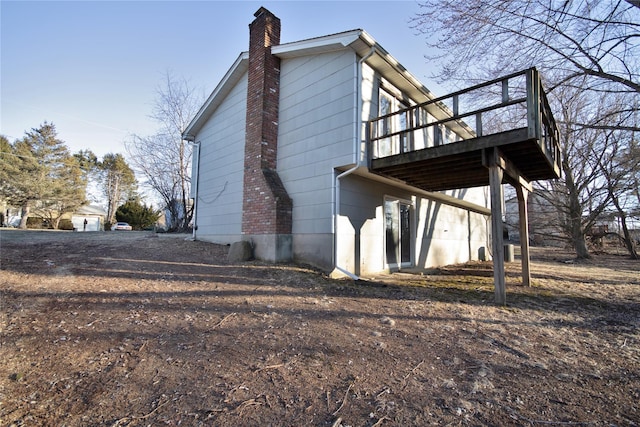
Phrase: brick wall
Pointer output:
(266, 206)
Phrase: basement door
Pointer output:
(398, 226)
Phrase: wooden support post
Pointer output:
(478, 124)
(505, 91)
(523, 196)
(494, 159)
(455, 106)
(491, 161)
(533, 103)
(495, 188)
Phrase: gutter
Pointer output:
(357, 160)
(196, 152)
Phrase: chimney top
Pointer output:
(261, 11)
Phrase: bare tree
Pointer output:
(164, 159)
(619, 169)
(589, 54)
(572, 39)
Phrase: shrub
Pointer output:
(65, 224)
(35, 223)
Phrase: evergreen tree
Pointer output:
(39, 174)
(138, 215)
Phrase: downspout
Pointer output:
(196, 152)
(358, 161)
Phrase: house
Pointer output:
(545, 227)
(89, 218)
(281, 160)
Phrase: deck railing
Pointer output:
(516, 101)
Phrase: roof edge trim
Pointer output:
(234, 73)
(315, 45)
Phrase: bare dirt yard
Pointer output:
(142, 329)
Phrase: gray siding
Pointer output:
(316, 131)
(317, 127)
(221, 140)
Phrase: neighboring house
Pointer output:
(546, 227)
(89, 218)
(10, 216)
(280, 160)
(167, 221)
(544, 221)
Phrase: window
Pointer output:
(385, 126)
(388, 104)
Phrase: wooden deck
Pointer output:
(514, 140)
(532, 149)
(460, 164)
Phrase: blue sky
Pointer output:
(93, 68)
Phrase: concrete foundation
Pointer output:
(271, 247)
(314, 249)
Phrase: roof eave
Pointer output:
(357, 40)
(316, 45)
(227, 83)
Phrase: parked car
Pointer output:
(122, 226)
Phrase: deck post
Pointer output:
(523, 195)
(496, 174)
(533, 103)
(505, 91)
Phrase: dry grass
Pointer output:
(135, 329)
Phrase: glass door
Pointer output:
(398, 231)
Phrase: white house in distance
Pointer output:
(89, 218)
(281, 160)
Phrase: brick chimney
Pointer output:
(266, 214)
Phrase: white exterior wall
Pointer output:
(94, 223)
(441, 234)
(361, 226)
(221, 164)
(316, 135)
(449, 235)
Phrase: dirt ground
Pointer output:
(135, 328)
